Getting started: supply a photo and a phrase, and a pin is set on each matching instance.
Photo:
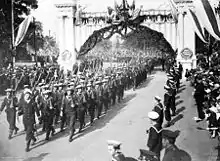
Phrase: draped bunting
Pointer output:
(22, 30)
(205, 13)
(196, 25)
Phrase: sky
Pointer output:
(46, 12)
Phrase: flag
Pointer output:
(174, 10)
(207, 16)
(196, 25)
(22, 30)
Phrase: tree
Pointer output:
(21, 7)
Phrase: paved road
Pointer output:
(126, 122)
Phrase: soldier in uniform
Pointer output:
(154, 142)
(49, 111)
(114, 150)
(10, 102)
(105, 95)
(68, 112)
(81, 106)
(113, 90)
(99, 91)
(91, 102)
(28, 108)
(56, 104)
(159, 109)
(167, 104)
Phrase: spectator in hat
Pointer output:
(114, 150)
(159, 109)
(199, 96)
(154, 142)
(28, 109)
(10, 102)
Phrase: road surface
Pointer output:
(126, 122)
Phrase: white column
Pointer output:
(181, 32)
(171, 34)
(64, 33)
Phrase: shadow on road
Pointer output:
(181, 90)
(181, 109)
(177, 97)
(38, 158)
(99, 124)
(179, 102)
(176, 119)
(104, 119)
(130, 159)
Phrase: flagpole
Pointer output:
(13, 34)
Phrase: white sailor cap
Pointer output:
(79, 86)
(47, 92)
(157, 98)
(153, 115)
(114, 143)
(166, 87)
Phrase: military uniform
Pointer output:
(49, 112)
(91, 103)
(69, 109)
(99, 92)
(81, 107)
(28, 110)
(10, 103)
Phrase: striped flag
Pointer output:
(174, 10)
(207, 16)
(22, 30)
(196, 25)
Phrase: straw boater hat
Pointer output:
(9, 90)
(47, 92)
(79, 86)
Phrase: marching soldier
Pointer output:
(113, 90)
(105, 94)
(81, 106)
(56, 104)
(48, 111)
(91, 102)
(167, 104)
(10, 102)
(28, 109)
(155, 137)
(68, 112)
(99, 91)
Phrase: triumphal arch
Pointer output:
(76, 27)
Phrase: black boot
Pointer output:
(71, 135)
(10, 134)
(27, 149)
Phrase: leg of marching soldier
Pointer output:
(72, 121)
(63, 121)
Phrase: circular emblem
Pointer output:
(66, 55)
(186, 53)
